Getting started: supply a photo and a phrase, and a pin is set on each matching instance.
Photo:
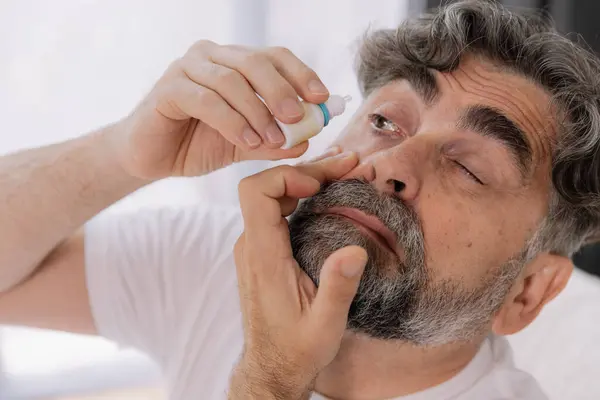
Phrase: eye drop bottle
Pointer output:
(316, 117)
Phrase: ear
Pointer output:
(541, 281)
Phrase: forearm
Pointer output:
(47, 193)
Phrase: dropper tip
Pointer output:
(347, 98)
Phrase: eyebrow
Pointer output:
(492, 123)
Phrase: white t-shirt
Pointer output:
(164, 282)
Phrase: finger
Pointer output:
(338, 283)
(207, 106)
(305, 81)
(330, 152)
(263, 153)
(257, 68)
(288, 205)
(260, 195)
(331, 168)
(238, 93)
(261, 198)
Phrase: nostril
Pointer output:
(398, 185)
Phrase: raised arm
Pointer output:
(203, 114)
(47, 193)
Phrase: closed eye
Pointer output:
(468, 173)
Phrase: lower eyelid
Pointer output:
(385, 134)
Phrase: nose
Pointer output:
(397, 171)
(399, 186)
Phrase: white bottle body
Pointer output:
(310, 125)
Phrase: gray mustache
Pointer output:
(354, 193)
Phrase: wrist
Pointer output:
(109, 142)
(105, 163)
(252, 382)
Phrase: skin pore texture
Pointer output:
(478, 202)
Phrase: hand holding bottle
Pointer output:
(204, 113)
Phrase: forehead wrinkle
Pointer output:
(451, 82)
(534, 119)
(489, 90)
(536, 140)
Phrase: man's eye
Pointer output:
(383, 126)
(468, 173)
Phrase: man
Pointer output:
(469, 177)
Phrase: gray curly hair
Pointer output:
(529, 45)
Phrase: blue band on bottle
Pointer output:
(326, 116)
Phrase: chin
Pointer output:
(387, 291)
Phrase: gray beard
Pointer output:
(395, 300)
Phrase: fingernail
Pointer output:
(251, 138)
(274, 134)
(291, 108)
(352, 267)
(316, 87)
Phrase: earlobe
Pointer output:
(541, 281)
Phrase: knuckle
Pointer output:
(254, 59)
(225, 76)
(202, 45)
(186, 63)
(280, 51)
(237, 47)
(200, 49)
(284, 170)
(175, 67)
(206, 97)
(245, 186)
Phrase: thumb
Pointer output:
(339, 280)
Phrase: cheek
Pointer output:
(464, 241)
(460, 242)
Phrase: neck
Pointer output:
(367, 368)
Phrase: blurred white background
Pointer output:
(69, 66)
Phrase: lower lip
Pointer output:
(368, 231)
